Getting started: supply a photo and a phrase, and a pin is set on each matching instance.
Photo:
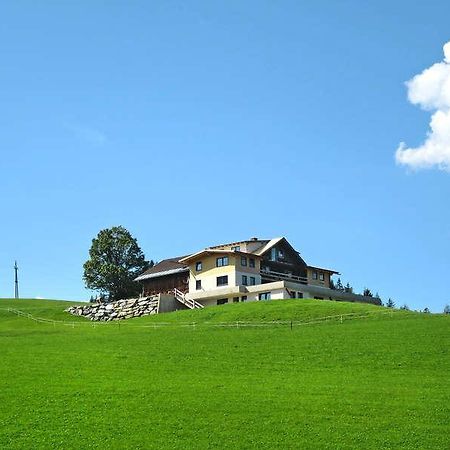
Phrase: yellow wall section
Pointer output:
(209, 273)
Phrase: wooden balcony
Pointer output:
(278, 276)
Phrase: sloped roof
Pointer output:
(164, 267)
(248, 241)
(268, 245)
(212, 251)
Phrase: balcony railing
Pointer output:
(269, 274)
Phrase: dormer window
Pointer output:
(198, 266)
(236, 248)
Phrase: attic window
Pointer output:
(198, 266)
(236, 248)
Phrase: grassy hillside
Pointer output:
(372, 380)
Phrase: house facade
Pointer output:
(251, 270)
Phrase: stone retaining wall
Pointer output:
(118, 310)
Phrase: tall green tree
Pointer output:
(115, 260)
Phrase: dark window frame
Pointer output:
(244, 280)
(222, 261)
(222, 280)
(252, 281)
(198, 285)
(243, 261)
(251, 262)
(198, 266)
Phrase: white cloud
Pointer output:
(431, 90)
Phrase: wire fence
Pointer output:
(339, 318)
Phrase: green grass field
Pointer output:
(344, 376)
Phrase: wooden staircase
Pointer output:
(190, 303)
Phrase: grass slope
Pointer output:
(374, 382)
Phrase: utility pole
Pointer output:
(16, 281)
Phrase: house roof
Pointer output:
(266, 245)
(164, 267)
(323, 270)
(232, 244)
(212, 251)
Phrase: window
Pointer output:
(198, 266)
(236, 248)
(299, 294)
(223, 261)
(243, 261)
(264, 296)
(222, 281)
(321, 276)
(244, 280)
(251, 262)
(235, 299)
(273, 254)
(198, 284)
(314, 275)
(222, 301)
(244, 298)
(252, 281)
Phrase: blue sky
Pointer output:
(197, 123)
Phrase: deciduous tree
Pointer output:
(115, 259)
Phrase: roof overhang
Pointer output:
(161, 274)
(324, 270)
